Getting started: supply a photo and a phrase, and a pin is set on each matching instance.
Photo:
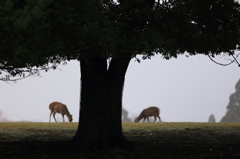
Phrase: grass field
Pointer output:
(151, 140)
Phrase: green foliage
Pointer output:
(200, 26)
(233, 108)
(36, 33)
(25, 42)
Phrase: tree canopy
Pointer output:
(36, 33)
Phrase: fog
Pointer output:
(185, 90)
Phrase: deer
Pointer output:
(57, 107)
(146, 113)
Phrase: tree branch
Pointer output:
(8, 74)
(235, 58)
(232, 61)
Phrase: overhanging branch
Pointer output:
(232, 61)
(9, 74)
(235, 59)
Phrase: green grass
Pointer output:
(182, 126)
(19, 130)
(151, 140)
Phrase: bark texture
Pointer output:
(100, 124)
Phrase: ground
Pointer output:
(150, 140)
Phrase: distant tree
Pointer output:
(211, 119)
(125, 117)
(233, 108)
(104, 36)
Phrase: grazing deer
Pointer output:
(57, 107)
(146, 113)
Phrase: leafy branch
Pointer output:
(8, 74)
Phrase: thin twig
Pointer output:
(234, 60)
(220, 63)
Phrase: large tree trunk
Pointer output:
(100, 125)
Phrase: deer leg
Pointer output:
(63, 117)
(50, 117)
(159, 118)
(148, 119)
(155, 119)
(144, 119)
(54, 116)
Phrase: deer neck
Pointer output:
(139, 117)
(68, 114)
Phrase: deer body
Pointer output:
(146, 113)
(57, 107)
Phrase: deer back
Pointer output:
(58, 107)
(151, 111)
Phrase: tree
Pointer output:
(233, 108)
(125, 117)
(104, 36)
(211, 119)
(26, 46)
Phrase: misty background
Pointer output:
(185, 89)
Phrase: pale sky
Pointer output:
(185, 90)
